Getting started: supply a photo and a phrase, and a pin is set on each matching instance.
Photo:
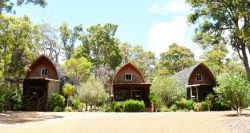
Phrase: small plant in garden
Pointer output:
(56, 101)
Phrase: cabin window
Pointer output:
(44, 72)
(128, 77)
(199, 77)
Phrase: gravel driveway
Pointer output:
(84, 122)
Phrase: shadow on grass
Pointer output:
(24, 117)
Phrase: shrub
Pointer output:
(57, 109)
(56, 100)
(234, 87)
(167, 89)
(205, 105)
(2, 102)
(16, 100)
(185, 104)
(134, 106)
(118, 106)
(76, 104)
(106, 107)
(165, 109)
(68, 109)
(174, 107)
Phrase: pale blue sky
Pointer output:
(154, 24)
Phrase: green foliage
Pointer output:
(217, 104)
(128, 106)
(174, 60)
(57, 109)
(77, 69)
(156, 100)
(92, 92)
(68, 89)
(134, 106)
(69, 37)
(16, 44)
(185, 104)
(100, 46)
(167, 89)
(173, 107)
(2, 102)
(214, 58)
(106, 107)
(118, 106)
(76, 104)
(56, 101)
(219, 22)
(203, 106)
(68, 109)
(15, 99)
(8, 5)
(234, 87)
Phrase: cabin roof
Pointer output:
(184, 75)
(61, 74)
(126, 65)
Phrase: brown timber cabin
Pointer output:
(129, 83)
(42, 79)
(198, 81)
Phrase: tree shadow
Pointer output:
(235, 115)
(24, 117)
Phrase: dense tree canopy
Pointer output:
(69, 38)
(174, 60)
(226, 21)
(16, 44)
(7, 5)
(77, 69)
(100, 46)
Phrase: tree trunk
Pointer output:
(1, 6)
(245, 62)
(86, 108)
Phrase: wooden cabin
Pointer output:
(198, 81)
(43, 78)
(129, 83)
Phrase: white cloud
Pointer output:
(174, 6)
(162, 34)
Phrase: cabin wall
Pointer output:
(53, 87)
(207, 78)
(136, 76)
(35, 70)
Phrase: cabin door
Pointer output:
(37, 98)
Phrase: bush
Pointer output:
(203, 106)
(185, 104)
(76, 104)
(16, 100)
(118, 106)
(57, 109)
(68, 109)
(56, 100)
(2, 102)
(165, 109)
(234, 87)
(106, 107)
(166, 90)
(173, 107)
(134, 106)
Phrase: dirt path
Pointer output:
(180, 122)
